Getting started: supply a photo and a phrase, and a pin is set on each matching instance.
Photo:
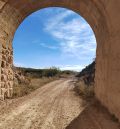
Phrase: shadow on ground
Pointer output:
(94, 116)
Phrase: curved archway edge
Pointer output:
(103, 16)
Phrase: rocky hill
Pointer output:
(84, 85)
(19, 76)
(88, 74)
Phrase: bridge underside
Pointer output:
(102, 15)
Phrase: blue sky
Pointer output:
(54, 37)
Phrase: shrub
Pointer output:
(84, 90)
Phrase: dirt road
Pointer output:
(53, 106)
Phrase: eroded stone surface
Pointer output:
(104, 18)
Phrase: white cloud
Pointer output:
(17, 64)
(48, 46)
(75, 36)
(77, 68)
(45, 45)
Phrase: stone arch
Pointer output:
(104, 19)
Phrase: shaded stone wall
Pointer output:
(102, 15)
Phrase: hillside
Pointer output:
(88, 74)
(84, 85)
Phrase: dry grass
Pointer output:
(85, 91)
(35, 83)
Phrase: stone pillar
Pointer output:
(0, 69)
(6, 86)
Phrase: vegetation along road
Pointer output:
(53, 106)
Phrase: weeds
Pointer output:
(22, 89)
(84, 90)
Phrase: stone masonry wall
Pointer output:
(6, 73)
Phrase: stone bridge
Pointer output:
(104, 18)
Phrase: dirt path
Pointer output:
(54, 106)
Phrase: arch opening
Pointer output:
(54, 37)
(58, 29)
